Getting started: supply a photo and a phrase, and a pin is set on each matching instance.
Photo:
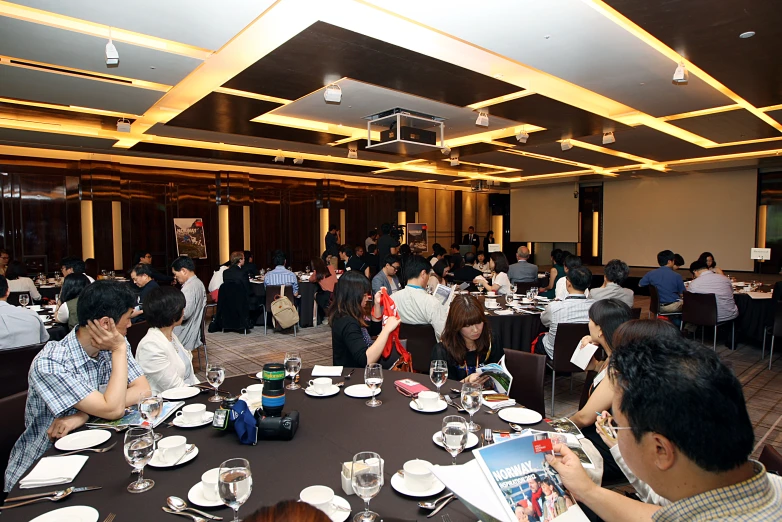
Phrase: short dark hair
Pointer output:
(616, 271)
(415, 265)
(471, 227)
(104, 298)
(75, 263)
(572, 262)
(3, 286)
(440, 251)
(347, 250)
(439, 268)
(390, 260)
(455, 245)
(385, 228)
(678, 260)
(72, 286)
(698, 264)
(683, 391)
(664, 256)
(163, 306)
(557, 256)
(404, 250)
(372, 232)
(469, 258)
(609, 314)
(142, 269)
(500, 262)
(183, 262)
(15, 270)
(138, 254)
(580, 278)
(333, 227)
(278, 258)
(371, 248)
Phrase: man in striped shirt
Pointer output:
(707, 282)
(573, 309)
(280, 275)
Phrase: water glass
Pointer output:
(373, 378)
(215, 375)
(234, 484)
(455, 432)
(149, 409)
(438, 373)
(472, 398)
(24, 300)
(139, 447)
(366, 477)
(292, 369)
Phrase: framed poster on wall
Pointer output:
(190, 237)
(417, 237)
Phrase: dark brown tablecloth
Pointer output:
(754, 316)
(514, 331)
(331, 431)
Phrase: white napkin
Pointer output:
(503, 312)
(499, 404)
(327, 371)
(760, 295)
(51, 471)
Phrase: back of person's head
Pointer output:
(522, 252)
(164, 306)
(347, 250)
(635, 329)
(3, 286)
(678, 260)
(15, 270)
(557, 256)
(436, 247)
(141, 269)
(288, 511)
(609, 314)
(348, 294)
(572, 262)
(580, 278)
(500, 262)
(385, 228)
(469, 258)
(404, 250)
(698, 265)
(333, 228)
(664, 257)
(704, 256)
(138, 255)
(278, 258)
(455, 246)
(390, 260)
(74, 263)
(183, 262)
(247, 256)
(439, 268)
(465, 310)
(616, 271)
(104, 298)
(414, 266)
(72, 286)
(372, 233)
(682, 391)
(372, 248)
(236, 256)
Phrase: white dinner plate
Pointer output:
(472, 440)
(177, 394)
(360, 391)
(208, 416)
(441, 405)
(69, 514)
(196, 496)
(82, 440)
(520, 415)
(333, 390)
(398, 483)
(156, 462)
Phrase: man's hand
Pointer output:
(61, 426)
(105, 338)
(569, 467)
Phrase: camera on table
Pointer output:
(276, 428)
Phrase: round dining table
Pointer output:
(331, 430)
(514, 330)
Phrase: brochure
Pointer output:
(565, 425)
(500, 377)
(583, 355)
(443, 294)
(133, 418)
(571, 441)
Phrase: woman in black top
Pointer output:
(466, 341)
(351, 339)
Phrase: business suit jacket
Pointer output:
(613, 290)
(238, 274)
(523, 272)
(471, 239)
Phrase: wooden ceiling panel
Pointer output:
(528, 166)
(730, 126)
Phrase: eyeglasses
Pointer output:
(396, 267)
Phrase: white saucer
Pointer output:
(398, 483)
(259, 375)
(333, 390)
(360, 391)
(69, 514)
(155, 462)
(82, 440)
(472, 440)
(495, 307)
(520, 415)
(441, 405)
(177, 394)
(196, 496)
(340, 515)
(208, 416)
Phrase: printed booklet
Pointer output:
(500, 377)
(133, 418)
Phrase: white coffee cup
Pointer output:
(209, 484)
(418, 475)
(428, 399)
(320, 497)
(320, 385)
(491, 294)
(491, 303)
(171, 448)
(254, 392)
(192, 413)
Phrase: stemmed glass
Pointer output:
(215, 375)
(234, 484)
(373, 378)
(455, 432)
(438, 373)
(292, 369)
(472, 397)
(366, 479)
(149, 409)
(24, 300)
(138, 449)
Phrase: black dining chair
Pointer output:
(654, 304)
(12, 412)
(523, 288)
(771, 459)
(233, 307)
(420, 341)
(203, 336)
(135, 334)
(13, 298)
(568, 337)
(774, 330)
(528, 371)
(701, 310)
(14, 367)
(635, 313)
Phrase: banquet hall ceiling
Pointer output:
(236, 87)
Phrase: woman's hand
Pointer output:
(391, 324)
(475, 378)
(585, 340)
(604, 429)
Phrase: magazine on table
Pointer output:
(133, 417)
(499, 376)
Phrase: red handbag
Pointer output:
(405, 361)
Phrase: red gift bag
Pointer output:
(405, 362)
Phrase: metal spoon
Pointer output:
(347, 377)
(433, 503)
(177, 504)
(190, 449)
(516, 427)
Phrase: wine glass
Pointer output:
(438, 373)
(292, 368)
(234, 484)
(138, 449)
(215, 375)
(366, 477)
(24, 300)
(472, 396)
(373, 378)
(149, 408)
(455, 432)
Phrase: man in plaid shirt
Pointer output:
(91, 372)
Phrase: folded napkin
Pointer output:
(499, 404)
(503, 312)
(51, 471)
(327, 371)
(760, 295)
(47, 286)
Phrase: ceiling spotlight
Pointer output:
(353, 151)
(454, 159)
(298, 160)
(608, 137)
(483, 119)
(566, 145)
(748, 34)
(333, 93)
(522, 136)
(681, 76)
(279, 158)
(112, 56)
(123, 125)
(446, 150)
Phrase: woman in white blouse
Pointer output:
(16, 273)
(164, 360)
(500, 282)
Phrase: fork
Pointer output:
(489, 436)
(452, 403)
(110, 518)
(92, 450)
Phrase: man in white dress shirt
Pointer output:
(18, 326)
(573, 309)
(414, 304)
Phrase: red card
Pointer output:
(542, 446)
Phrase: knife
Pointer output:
(441, 506)
(49, 493)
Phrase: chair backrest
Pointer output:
(597, 281)
(654, 300)
(771, 458)
(12, 413)
(635, 313)
(14, 367)
(420, 341)
(203, 321)
(699, 309)
(565, 343)
(274, 291)
(777, 330)
(528, 371)
(777, 292)
(523, 288)
(233, 306)
(13, 298)
(136, 333)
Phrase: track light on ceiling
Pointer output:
(483, 119)
(608, 138)
(123, 125)
(333, 93)
(446, 150)
(681, 76)
(566, 145)
(353, 151)
(279, 158)
(454, 159)
(522, 136)
(112, 56)
(298, 160)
